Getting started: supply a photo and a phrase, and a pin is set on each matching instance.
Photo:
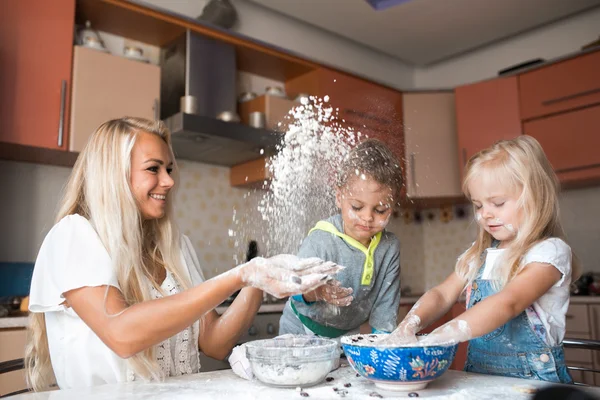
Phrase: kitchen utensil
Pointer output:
(188, 104)
(228, 116)
(397, 368)
(256, 119)
(292, 360)
(246, 96)
(134, 53)
(275, 91)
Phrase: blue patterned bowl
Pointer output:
(397, 368)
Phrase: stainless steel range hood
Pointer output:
(195, 65)
(211, 141)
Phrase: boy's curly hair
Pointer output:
(374, 159)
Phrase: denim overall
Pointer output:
(516, 349)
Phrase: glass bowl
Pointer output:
(292, 361)
(397, 368)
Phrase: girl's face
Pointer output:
(151, 167)
(366, 207)
(496, 208)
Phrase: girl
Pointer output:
(369, 288)
(117, 292)
(516, 274)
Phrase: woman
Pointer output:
(117, 292)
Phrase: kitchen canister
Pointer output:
(188, 104)
(256, 119)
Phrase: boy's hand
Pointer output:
(332, 293)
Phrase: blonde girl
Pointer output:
(117, 292)
(516, 274)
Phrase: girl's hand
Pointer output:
(449, 334)
(405, 333)
(286, 275)
(332, 293)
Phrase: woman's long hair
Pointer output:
(517, 165)
(99, 189)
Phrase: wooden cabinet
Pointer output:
(430, 145)
(583, 322)
(369, 108)
(485, 113)
(12, 346)
(36, 38)
(560, 87)
(275, 109)
(107, 87)
(571, 142)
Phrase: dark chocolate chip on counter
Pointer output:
(375, 394)
(303, 394)
(347, 384)
(329, 378)
(413, 394)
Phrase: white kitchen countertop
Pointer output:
(226, 385)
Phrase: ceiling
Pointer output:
(423, 32)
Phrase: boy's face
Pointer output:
(366, 207)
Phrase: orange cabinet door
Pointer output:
(571, 142)
(569, 84)
(367, 107)
(36, 38)
(485, 113)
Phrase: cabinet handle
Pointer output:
(570, 97)
(464, 155)
(61, 113)
(413, 174)
(156, 109)
(567, 316)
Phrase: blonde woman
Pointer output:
(117, 292)
(516, 274)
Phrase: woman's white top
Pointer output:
(72, 256)
(552, 307)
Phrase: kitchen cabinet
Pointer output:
(36, 38)
(366, 107)
(12, 346)
(275, 109)
(583, 322)
(107, 87)
(485, 113)
(251, 173)
(563, 86)
(430, 140)
(571, 142)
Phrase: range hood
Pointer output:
(198, 66)
(212, 141)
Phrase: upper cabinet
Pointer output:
(36, 38)
(106, 87)
(560, 107)
(369, 108)
(431, 145)
(485, 113)
(560, 87)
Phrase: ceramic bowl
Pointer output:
(397, 368)
(292, 361)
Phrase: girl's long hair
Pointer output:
(99, 189)
(517, 165)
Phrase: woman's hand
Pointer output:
(285, 275)
(332, 293)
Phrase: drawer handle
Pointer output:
(61, 112)
(567, 316)
(413, 172)
(570, 97)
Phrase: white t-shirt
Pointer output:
(72, 256)
(552, 306)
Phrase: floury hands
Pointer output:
(286, 275)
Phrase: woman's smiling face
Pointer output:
(151, 181)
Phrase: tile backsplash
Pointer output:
(205, 208)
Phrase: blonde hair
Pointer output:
(373, 158)
(519, 165)
(99, 189)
